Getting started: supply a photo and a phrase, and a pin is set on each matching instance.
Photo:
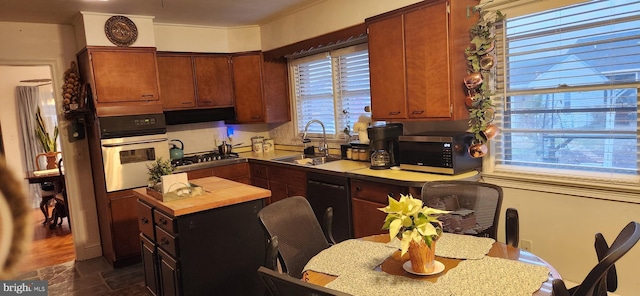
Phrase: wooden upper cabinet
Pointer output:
(417, 61)
(428, 72)
(176, 81)
(213, 81)
(387, 68)
(121, 78)
(261, 89)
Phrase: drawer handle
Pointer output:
(144, 220)
(394, 113)
(147, 95)
(358, 188)
(391, 194)
(256, 117)
(417, 112)
(164, 242)
(162, 221)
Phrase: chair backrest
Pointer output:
(512, 227)
(283, 285)
(609, 282)
(300, 236)
(627, 238)
(475, 206)
(592, 284)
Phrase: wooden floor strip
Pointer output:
(49, 247)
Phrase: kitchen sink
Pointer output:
(310, 160)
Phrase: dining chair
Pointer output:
(512, 227)
(474, 206)
(592, 284)
(279, 284)
(297, 232)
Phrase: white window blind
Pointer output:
(332, 87)
(568, 83)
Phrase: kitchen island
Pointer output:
(211, 244)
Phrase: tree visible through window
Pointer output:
(571, 79)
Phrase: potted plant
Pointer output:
(417, 227)
(158, 169)
(480, 62)
(48, 143)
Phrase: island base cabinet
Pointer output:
(149, 261)
(211, 252)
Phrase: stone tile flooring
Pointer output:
(91, 277)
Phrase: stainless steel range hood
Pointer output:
(200, 115)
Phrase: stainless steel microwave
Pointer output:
(441, 152)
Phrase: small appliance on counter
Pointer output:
(438, 152)
(383, 141)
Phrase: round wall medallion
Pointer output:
(120, 30)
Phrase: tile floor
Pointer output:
(91, 277)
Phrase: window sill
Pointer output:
(561, 185)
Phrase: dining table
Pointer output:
(327, 269)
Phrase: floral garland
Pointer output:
(480, 62)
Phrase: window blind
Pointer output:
(332, 87)
(568, 84)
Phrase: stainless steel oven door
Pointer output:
(126, 159)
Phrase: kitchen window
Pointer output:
(332, 87)
(567, 86)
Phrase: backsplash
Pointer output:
(206, 136)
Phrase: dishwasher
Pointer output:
(323, 191)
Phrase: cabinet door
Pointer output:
(124, 224)
(169, 274)
(213, 81)
(247, 83)
(366, 199)
(149, 259)
(387, 68)
(125, 76)
(176, 78)
(238, 172)
(426, 34)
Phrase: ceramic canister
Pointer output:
(267, 145)
(256, 143)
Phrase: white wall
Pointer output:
(94, 35)
(55, 46)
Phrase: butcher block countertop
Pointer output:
(219, 192)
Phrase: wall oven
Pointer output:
(129, 144)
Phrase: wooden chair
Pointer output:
(284, 285)
(592, 285)
(294, 233)
(475, 206)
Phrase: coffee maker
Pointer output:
(384, 145)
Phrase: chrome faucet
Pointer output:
(324, 148)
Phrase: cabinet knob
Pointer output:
(164, 241)
(394, 113)
(417, 112)
(162, 221)
(144, 220)
(358, 188)
(147, 95)
(391, 194)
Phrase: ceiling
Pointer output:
(223, 13)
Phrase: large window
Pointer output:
(568, 87)
(332, 87)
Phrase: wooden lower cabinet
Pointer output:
(119, 234)
(282, 181)
(366, 198)
(211, 252)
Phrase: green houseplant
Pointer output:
(417, 227)
(48, 142)
(158, 169)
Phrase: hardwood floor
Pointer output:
(49, 247)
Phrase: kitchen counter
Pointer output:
(361, 170)
(219, 192)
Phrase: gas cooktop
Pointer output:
(204, 157)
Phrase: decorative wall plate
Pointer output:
(120, 30)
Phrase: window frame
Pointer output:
(618, 187)
(332, 136)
